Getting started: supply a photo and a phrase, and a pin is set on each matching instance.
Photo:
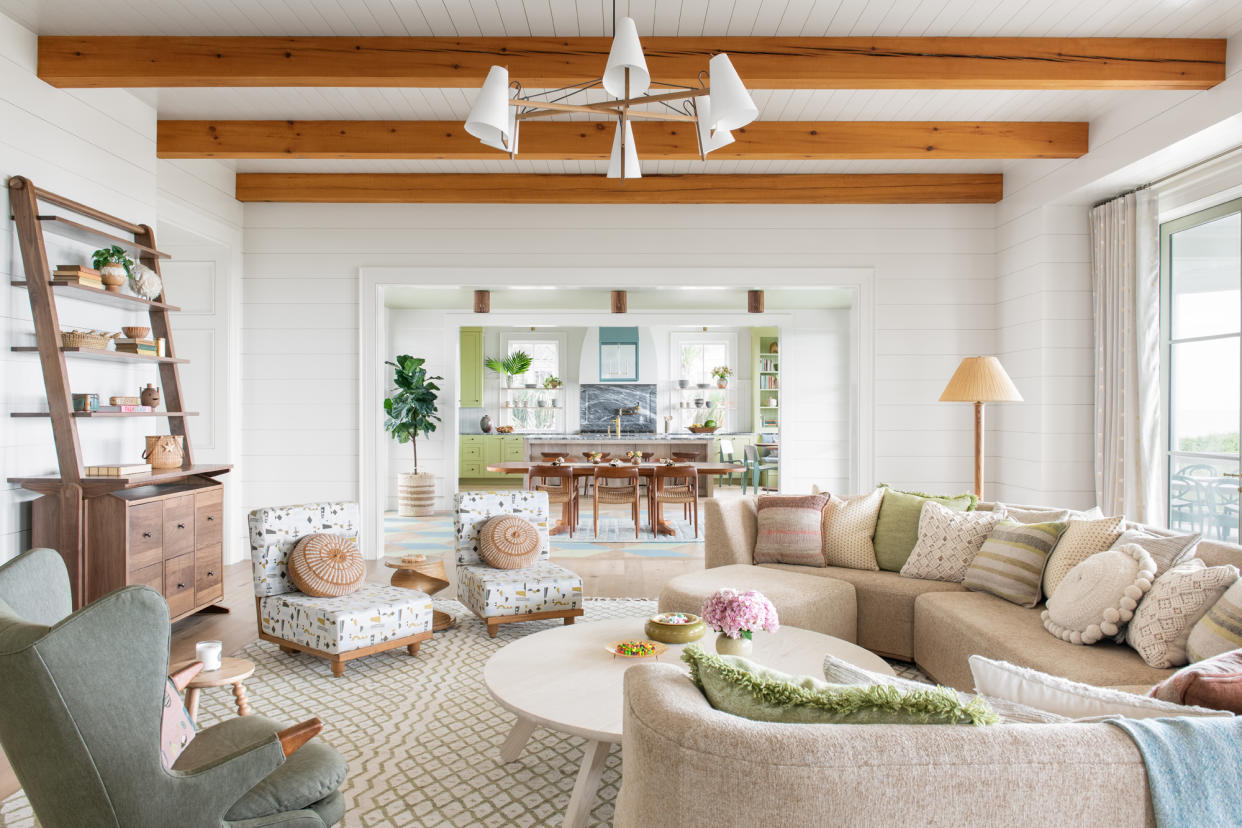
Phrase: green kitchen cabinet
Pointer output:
(471, 395)
(492, 448)
(470, 456)
(512, 448)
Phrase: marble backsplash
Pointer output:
(598, 404)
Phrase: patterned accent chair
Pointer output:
(501, 596)
(375, 618)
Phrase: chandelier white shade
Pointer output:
(731, 105)
(630, 154)
(715, 107)
(491, 119)
(626, 53)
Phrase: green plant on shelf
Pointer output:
(112, 255)
(516, 363)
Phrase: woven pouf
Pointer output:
(509, 542)
(327, 566)
(824, 605)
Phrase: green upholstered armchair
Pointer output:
(81, 701)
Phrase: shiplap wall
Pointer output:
(96, 146)
(934, 270)
(1043, 447)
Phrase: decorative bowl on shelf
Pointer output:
(636, 648)
(675, 627)
(135, 331)
(702, 429)
(704, 385)
(504, 429)
(681, 383)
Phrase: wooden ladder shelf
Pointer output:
(62, 523)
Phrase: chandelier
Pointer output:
(716, 107)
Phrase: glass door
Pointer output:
(1201, 321)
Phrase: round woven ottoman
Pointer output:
(824, 605)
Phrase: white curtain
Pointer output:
(1125, 288)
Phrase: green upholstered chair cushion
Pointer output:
(313, 772)
(741, 687)
(897, 527)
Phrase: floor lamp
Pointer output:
(980, 380)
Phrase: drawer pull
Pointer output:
(211, 517)
(181, 586)
(211, 573)
(146, 534)
(180, 525)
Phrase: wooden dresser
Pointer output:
(169, 537)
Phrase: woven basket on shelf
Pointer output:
(86, 339)
(698, 429)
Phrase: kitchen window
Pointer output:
(536, 408)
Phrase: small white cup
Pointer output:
(209, 652)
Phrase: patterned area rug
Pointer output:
(621, 530)
(422, 735)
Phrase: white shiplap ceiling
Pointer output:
(518, 18)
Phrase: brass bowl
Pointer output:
(658, 630)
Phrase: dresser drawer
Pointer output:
(178, 526)
(146, 533)
(208, 569)
(152, 576)
(208, 517)
(471, 469)
(179, 584)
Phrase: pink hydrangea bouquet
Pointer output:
(739, 614)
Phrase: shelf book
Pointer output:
(118, 471)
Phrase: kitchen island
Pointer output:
(698, 446)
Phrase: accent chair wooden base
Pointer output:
(337, 660)
(493, 623)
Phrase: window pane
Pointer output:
(1206, 266)
(1202, 498)
(1203, 400)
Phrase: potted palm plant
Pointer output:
(513, 365)
(411, 411)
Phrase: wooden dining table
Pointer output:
(706, 471)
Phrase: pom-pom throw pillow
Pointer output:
(1099, 596)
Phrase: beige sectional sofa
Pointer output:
(935, 624)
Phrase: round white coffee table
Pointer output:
(565, 680)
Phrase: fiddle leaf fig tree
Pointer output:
(411, 409)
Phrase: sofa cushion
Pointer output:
(1082, 538)
(897, 527)
(948, 542)
(790, 529)
(885, 601)
(372, 614)
(949, 628)
(849, 525)
(825, 605)
(1176, 602)
(1220, 630)
(493, 593)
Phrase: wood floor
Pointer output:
(602, 578)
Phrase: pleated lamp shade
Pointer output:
(707, 139)
(980, 379)
(491, 119)
(632, 169)
(626, 53)
(732, 107)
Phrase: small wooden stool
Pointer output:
(424, 576)
(232, 671)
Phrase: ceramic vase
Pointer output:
(722, 383)
(149, 395)
(485, 424)
(733, 646)
(113, 277)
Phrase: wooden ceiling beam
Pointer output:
(592, 140)
(545, 62)
(520, 188)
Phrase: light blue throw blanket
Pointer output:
(1194, 768)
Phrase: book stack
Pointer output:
(124, 409)
(145, 347)
(78, 275)
(118, 471)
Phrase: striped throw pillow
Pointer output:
(1010, 564)
(790, 529)
(1220, 630)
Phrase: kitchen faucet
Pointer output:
(634, 409)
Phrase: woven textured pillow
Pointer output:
(897, 527)
(848, 526)
(327, 566)
(1010, 564)
(948, 542)
(1220, 630)
(509, 542)
(1178, 599)
(1099, 596)
(1167, 552)
(1082, 539)
(791, 529)
(1214, 683)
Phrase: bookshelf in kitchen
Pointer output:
(161, 527)
(765, 353)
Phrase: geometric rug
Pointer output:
(422, 735)
(621, 530)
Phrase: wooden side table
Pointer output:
(424, 576)
(232, 671)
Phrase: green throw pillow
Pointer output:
(897, 527)
(743, 688)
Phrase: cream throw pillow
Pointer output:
(1178, 599)
(1220, 630)
(1167, 552)
(1082, 539)
(1002, 680)
(948, 542)
(1100, 595)
(848, 525)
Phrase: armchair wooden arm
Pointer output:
(185, 675)
(292, 738)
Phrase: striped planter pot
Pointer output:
(416, 494)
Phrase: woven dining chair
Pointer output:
(617, 493)
(677, 485)
(558, 482)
